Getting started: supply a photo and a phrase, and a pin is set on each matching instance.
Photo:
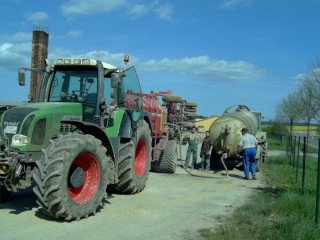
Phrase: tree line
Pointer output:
(302, 105)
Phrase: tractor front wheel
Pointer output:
(71, 178)
(134, 162)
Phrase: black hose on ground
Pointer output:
(208, 175)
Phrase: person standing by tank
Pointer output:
(205, 152)
(248, 146)
(193, 140)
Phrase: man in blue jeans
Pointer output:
(248, 145)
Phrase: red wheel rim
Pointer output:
(141, 157)
(91, 171)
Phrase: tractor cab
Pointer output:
(96, 85)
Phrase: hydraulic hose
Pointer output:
(224, 156)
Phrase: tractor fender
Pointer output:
(146, 117)
(126, 130)
(126, 127)
(97, 132)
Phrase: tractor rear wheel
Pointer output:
(166, 160)
(134, 162)
(71, 178)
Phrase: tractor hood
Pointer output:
(39, 121)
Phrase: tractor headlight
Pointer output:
(19, 139)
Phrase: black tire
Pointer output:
(191, 104)
(262, 157)
(134, 162)
(71, 177)
(171, 98)
(264, 151)
(166, 160)
(215, 160)
(192, 110)
(259, 162)
(4, 194)
(189, 113)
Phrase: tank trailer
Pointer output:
(225, 133)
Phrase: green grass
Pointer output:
(279, 210)
(276, 144)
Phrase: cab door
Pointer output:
(131, 95)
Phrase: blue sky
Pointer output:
(213, 52)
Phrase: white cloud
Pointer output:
(36, 16)
(206, 68)
(74, 33)
(138, 10)
(115, 59)
(90, 7)
(165, 12)
(13, 56)
(17, 37)
(233, 3)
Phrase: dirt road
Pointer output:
(171, 207)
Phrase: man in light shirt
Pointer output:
(248, 146)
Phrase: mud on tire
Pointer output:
(71, 177)
(166, 160)
(134, 162)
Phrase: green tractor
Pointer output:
(87, 133)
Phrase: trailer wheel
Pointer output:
(71, 178)
(263, 155)
(4, 194)
(169, 98)
(134, 162)
(166, 160)
(259, 162)
(264, 151)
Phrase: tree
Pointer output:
(289, 109)
(314, 74)
(309, 100)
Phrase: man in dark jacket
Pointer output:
(206, 149)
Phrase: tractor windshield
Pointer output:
(74, 86)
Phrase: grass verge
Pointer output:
(279, 210)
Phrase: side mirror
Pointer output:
(116, 80)
(22, 78)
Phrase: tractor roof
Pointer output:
(81, 62)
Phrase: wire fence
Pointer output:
(294, 145)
